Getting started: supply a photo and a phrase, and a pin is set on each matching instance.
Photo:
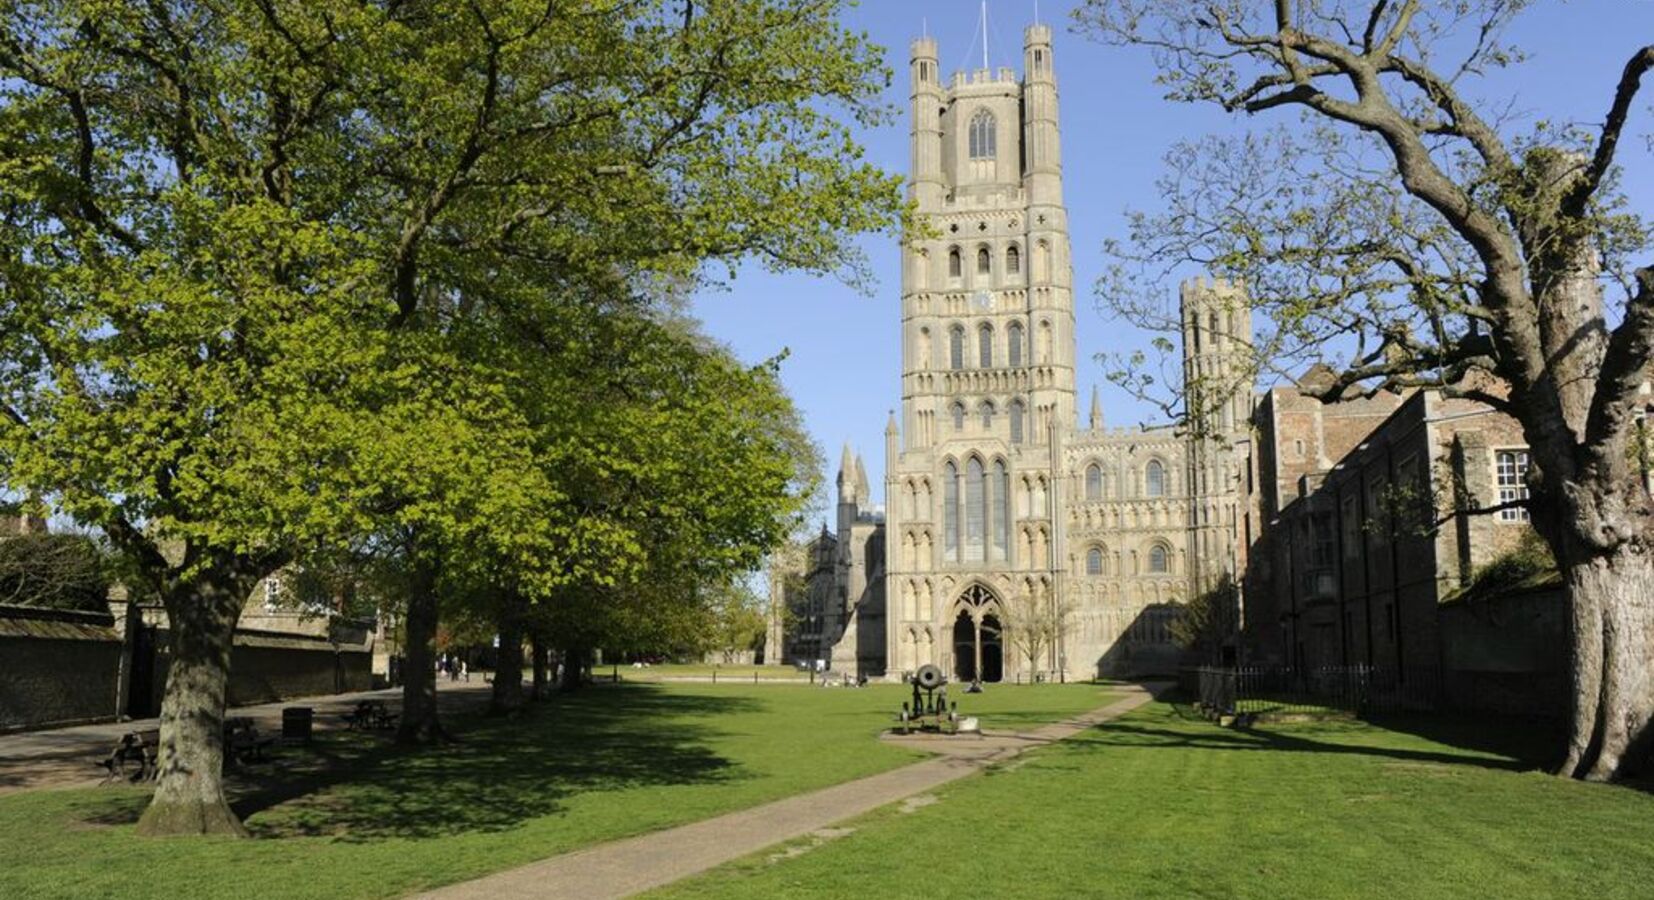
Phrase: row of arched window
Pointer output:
(986, 410)
(1154, 480)
(1157, 562)
(984, 261)
(1015, 340)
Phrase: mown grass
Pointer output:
(706, 670)
(1163, 804)
(356, 817)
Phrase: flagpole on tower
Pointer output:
(984, 35)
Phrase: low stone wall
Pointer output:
(266, 667)
(1506, 654)
(56, 667)
(64, 668)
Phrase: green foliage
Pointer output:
(56, 571)
(279, 276)
(1528, 565)
(736, 619)
(1209, 620)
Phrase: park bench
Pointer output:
(242, 742)
(139, 748)
(370, 714)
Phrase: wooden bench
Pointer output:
(242, 742)
(135, 747)
(370, 714)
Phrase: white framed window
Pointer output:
(1510, 469)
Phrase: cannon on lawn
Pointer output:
(929, 709)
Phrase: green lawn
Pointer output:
(1162, 804)
(705, 670)
(362, 819)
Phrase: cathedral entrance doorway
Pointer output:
(977, 651)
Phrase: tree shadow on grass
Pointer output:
(502, 772)
(1182, 728)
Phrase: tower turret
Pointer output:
(1040, 135)
(927, 185)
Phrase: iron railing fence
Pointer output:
(1358, 690)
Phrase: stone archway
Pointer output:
(977, 649)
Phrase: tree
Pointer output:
(1209, 621)
(54, 571)
(736, 619)
(1409, 222)
(233, 235)
(1034, 623)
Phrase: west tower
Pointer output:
(988, 385)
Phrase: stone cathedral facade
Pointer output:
(1001, 510)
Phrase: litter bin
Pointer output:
(296, 723)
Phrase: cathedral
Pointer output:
(1015, 543)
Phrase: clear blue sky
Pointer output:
(844, 367)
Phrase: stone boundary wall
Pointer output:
(1507, 654)
(57, 667)
(60, 668)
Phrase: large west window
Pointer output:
(1094, 561)
(1159, 560)
(1511, 471)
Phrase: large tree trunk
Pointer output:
(574, 667)
(1611, 597)
(189, 791)
(508, 666)
(420, 724)
(541, 657)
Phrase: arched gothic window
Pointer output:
(1013, 260)
(1154, 479)
(987, 410)
(1001, 510)
(956, 347)
(984, 261)
(1094, 482)
(1013, 344)
(959, 417)
(956, 265)
(983, 137)
(1094, 561)
(976, 510)
(985, 346)
(1159, 559)
(1016, 421)
(950, 512)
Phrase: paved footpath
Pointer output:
(631, 866)
(64, 757)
